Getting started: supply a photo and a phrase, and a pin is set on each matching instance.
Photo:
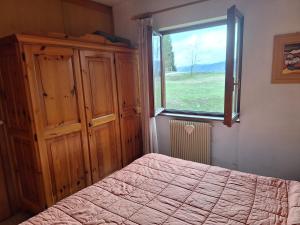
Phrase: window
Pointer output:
(194, 62)
(197, 69)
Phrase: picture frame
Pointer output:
(286, 59)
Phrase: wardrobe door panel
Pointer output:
(58, 105)
(132, 137)
(107, 150)
(66, 161)
(129, 105)
(128, 81)
(57, 88)
(101, 87)
(102, 112)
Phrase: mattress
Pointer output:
(157, 189)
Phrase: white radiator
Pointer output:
(191, 140)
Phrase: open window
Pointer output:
(234, 52)
(196, 70)
(156, 71)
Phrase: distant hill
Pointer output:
(204, 68)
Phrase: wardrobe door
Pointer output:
(129, 106)
(102, 112)
(57, 100)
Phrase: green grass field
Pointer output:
(197, 92)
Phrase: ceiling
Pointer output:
(108, 2)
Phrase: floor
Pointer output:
(16, 219)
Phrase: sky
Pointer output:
(209, 43)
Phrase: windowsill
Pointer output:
(193, 117)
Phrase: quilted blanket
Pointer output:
(158, 189)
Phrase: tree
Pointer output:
(168, 54)
(194, 56)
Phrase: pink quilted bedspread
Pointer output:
(157, 189)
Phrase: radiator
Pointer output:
(191, 140)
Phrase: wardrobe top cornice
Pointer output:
(63, 41)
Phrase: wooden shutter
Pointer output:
(235, 24)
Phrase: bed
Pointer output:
(157, 189)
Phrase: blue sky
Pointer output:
(209, 45)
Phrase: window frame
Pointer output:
(232, 14)
(153, 111)
(214, 23)
(206, 115)
(226, 117)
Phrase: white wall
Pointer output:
(267, 141)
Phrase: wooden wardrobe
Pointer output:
(72, 111)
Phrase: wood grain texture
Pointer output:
(4, 200)
(57, 100)
(129, 105)
(63, 16)
(67, 166)
(67, 108)
(15, 116)
(31, 16)
(100, 90)
(65, 41)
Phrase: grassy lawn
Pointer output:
(197, 92)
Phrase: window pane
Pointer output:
(233, 65)
(156, 70)
(236, 68)
(195, 69)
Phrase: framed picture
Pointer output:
(286, 58)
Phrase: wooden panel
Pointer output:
(66, 162)
(57, 88)
(8, 172)
(44, 16)
(31, 16)
(57, 100)
(128, 81)
(101, 86)
(27, 170)
(102, 112)
(4, 201)
(129, 105)
(131, 138)
(107, 149)
(80, 19)
(15, 116)
(14, 105)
